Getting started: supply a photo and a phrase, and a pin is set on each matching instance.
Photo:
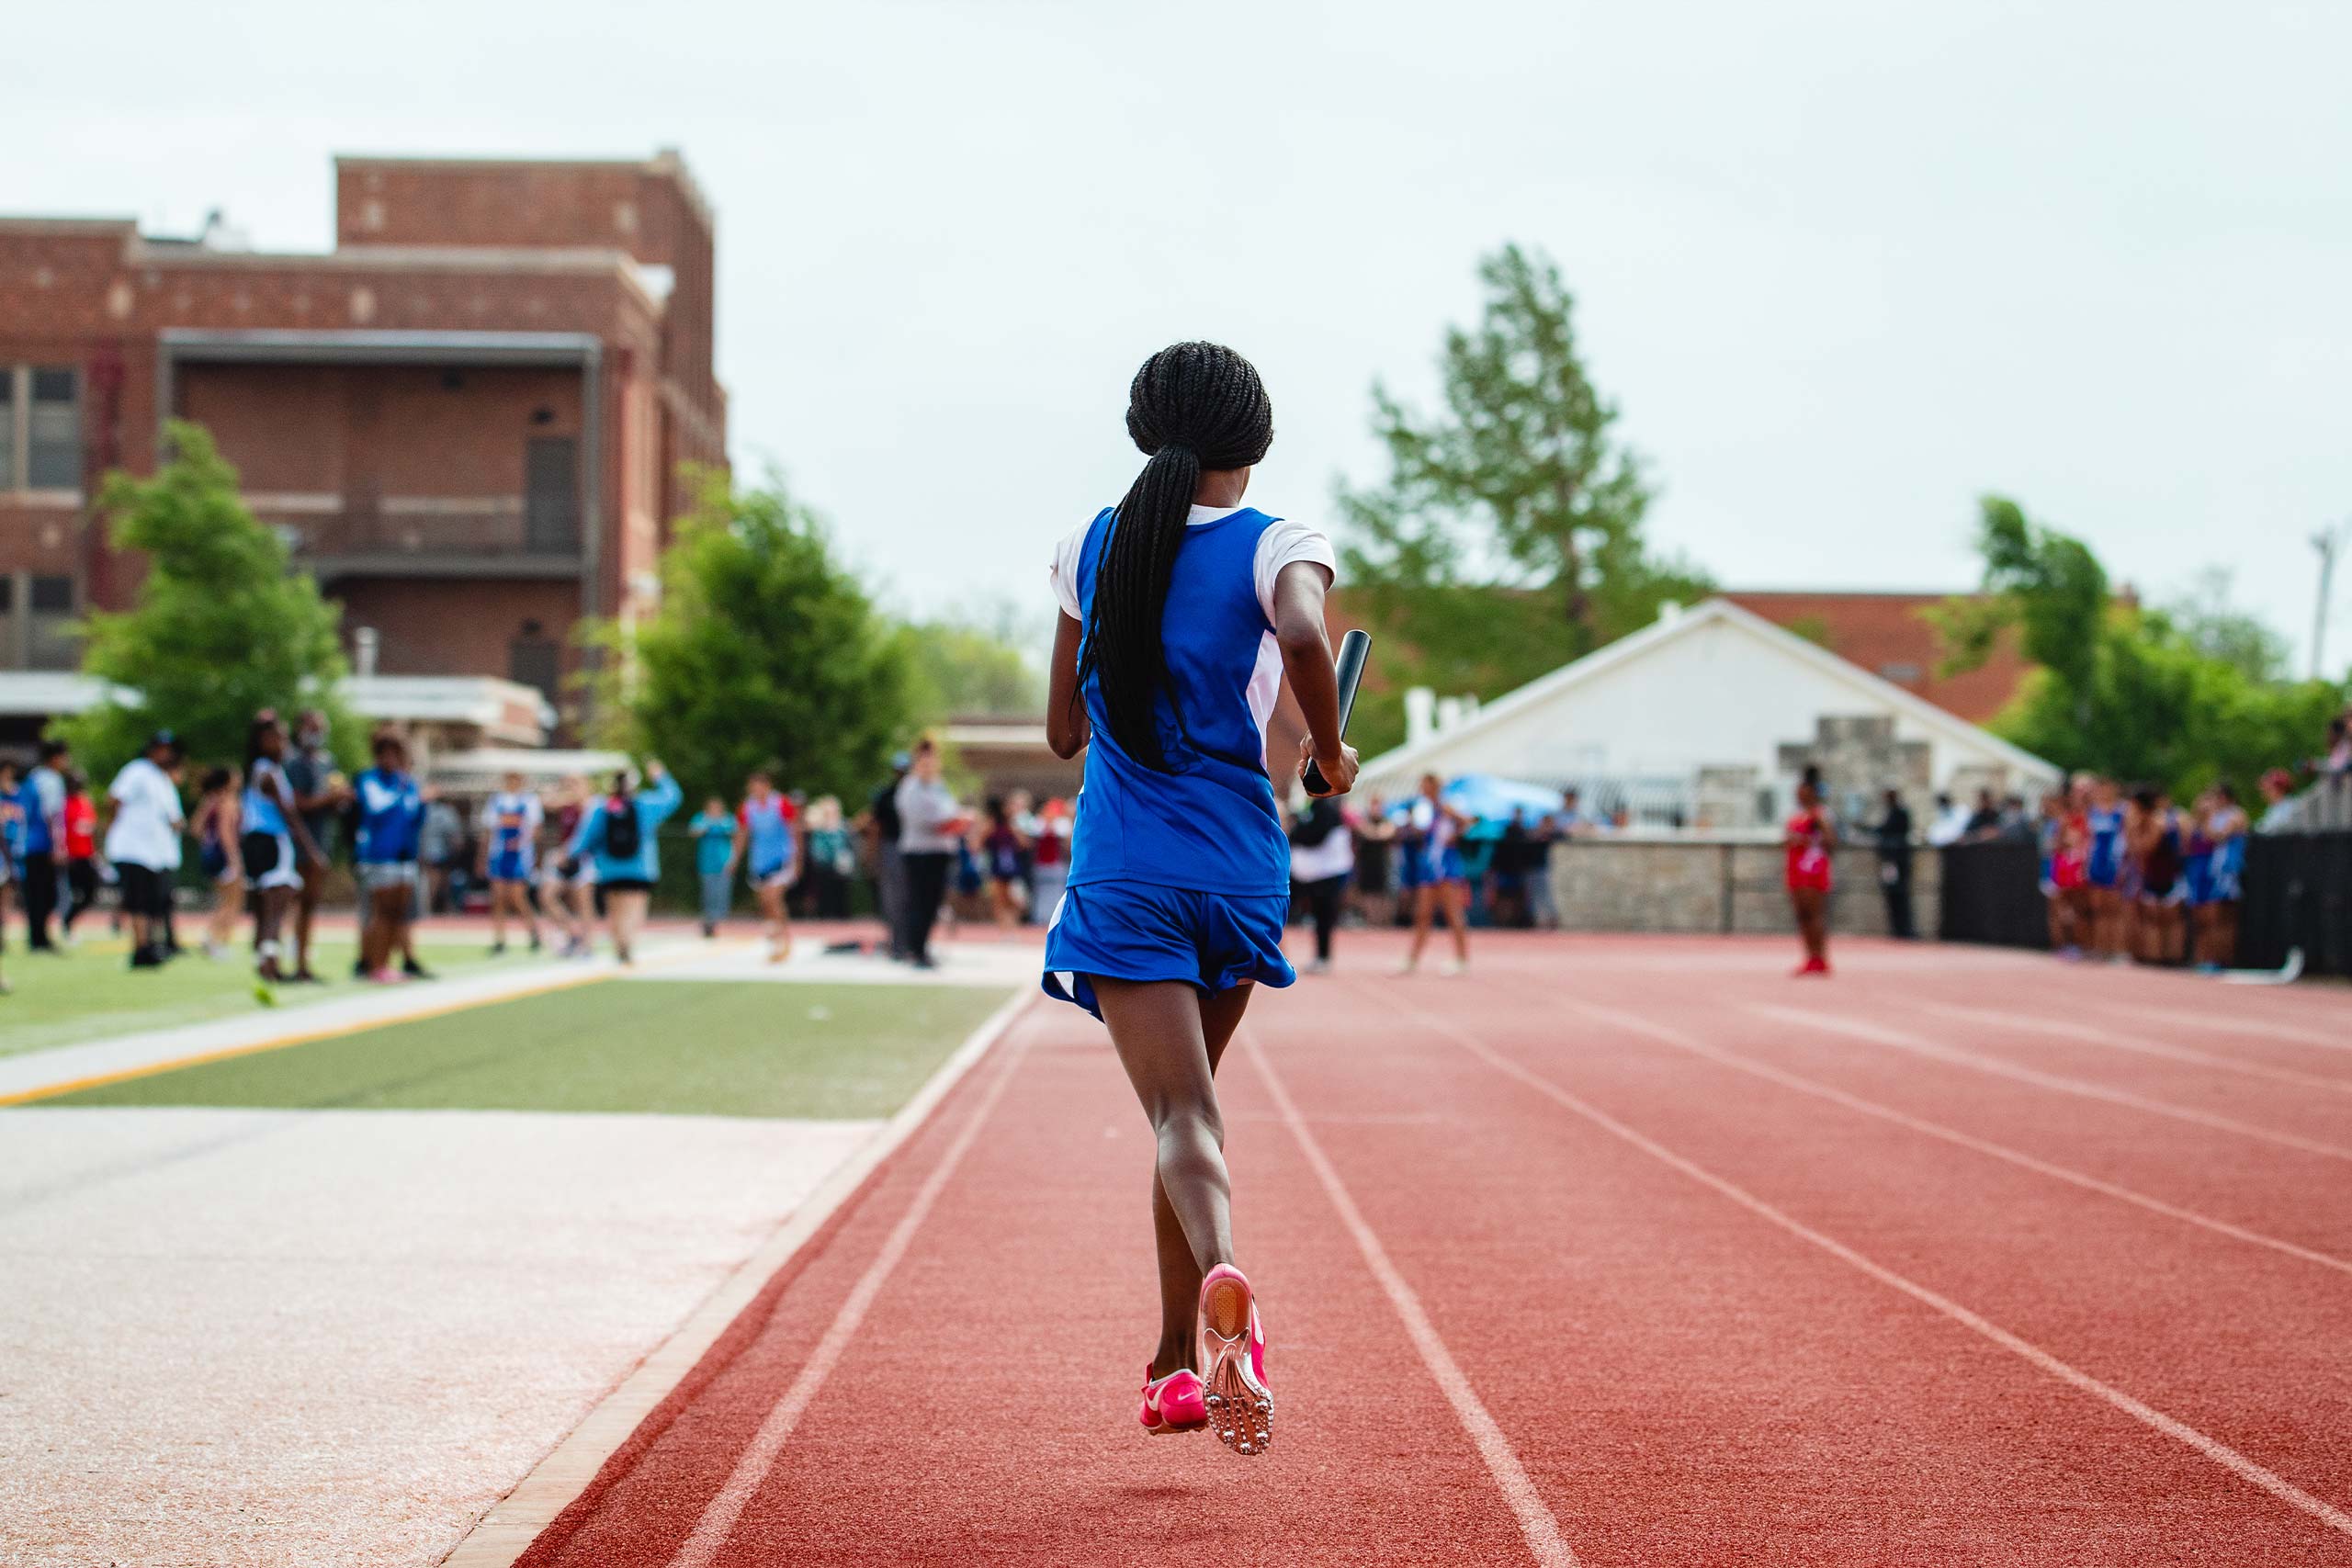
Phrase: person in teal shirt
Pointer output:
(617, 834)
(714, 834)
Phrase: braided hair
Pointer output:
(1192, 407)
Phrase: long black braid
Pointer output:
(1193, 406)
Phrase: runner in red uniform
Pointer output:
(1810, 837)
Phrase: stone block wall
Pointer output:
(1717, 885)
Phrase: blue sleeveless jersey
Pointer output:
(771, 835)
(260, 811)
(1209, 824)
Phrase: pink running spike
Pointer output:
(1173, 1403)
(1233, 1358)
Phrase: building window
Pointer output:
(40, 427)
(532, 659)
(1902, 674)
(551, 495)
(48, 629)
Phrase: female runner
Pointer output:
(2103, 869)
(273, 834)
(1433, 871)
(1810, 838)
(2222, 823)
(1182, 612)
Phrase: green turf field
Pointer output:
(718, 1048)
(91, 993)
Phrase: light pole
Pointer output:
(2328, 541)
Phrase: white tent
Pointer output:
(1713, 694)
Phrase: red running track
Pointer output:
(1619, 1251)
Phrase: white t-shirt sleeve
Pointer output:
(1062, 571)
(1285, 541)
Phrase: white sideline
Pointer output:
(1535, 1521)
(1659, 1032)
(2221, 1453)
(507, 1528)
(1994, 1065)
(718, 1518)
(2091, 1036)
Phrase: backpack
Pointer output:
(621, 840)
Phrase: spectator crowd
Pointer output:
(2127, 874)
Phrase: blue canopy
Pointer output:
(1487, 800)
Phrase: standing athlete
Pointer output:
(1809, 838)
(1434, 873)
(767, 840)
(1182, 610)
(273, 831)
(510, 841)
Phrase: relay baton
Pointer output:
(1352, 650)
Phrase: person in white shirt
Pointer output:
(143, 842)
(1322, 855)
(931, 824)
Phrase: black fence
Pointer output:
(2298, 894)
(1991, 893)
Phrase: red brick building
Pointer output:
(468, 418)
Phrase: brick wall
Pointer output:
(455, 626)
(400, 430)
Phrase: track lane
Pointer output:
(1680, 1378)
(2243, 1344)
(947, 1431)
(1690, 1388)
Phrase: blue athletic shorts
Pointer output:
(509, 866)
(1421, 868)
(1135, 931)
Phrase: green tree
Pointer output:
(2137, 694)
(1507, 538)
(766, 652)
(220, 627)
(973, 663)
(2207, 616)
(2046, 584)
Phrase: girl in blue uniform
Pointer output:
(272, 832)
(509, 846)
(2221, 835)
(767, 840)
(2103, 870)
(1182, 612)
(1434, 873)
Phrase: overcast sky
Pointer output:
(1844, 265)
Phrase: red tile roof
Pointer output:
(1887, 635)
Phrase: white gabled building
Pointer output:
(1705, 715)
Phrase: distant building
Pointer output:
(1890, 636)
(1703, 720)
(467, 418)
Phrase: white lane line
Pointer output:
(718, 1519)
(2228, 1024)
(2213, 1449)
(1535, 1521)
(1935, 1050)
(506, 1530)
(2091, 1036)
(1634, 1024)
